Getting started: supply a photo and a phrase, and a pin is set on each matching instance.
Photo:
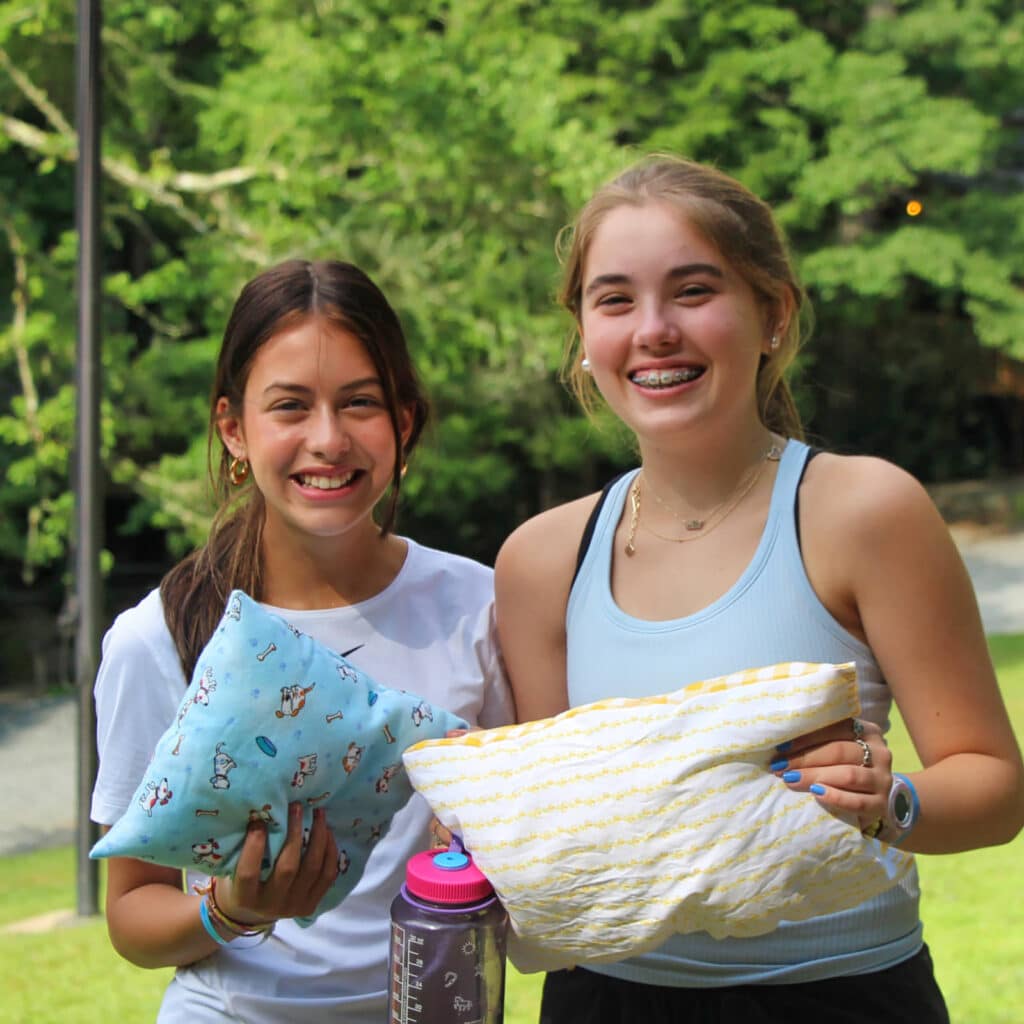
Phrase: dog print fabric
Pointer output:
(272, 717)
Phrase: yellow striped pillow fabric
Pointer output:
(608, 828)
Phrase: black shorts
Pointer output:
(904, 994)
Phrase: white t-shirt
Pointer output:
(430, 632)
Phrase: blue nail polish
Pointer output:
(790, 776)
(817, 788)
(778, 766)
(783, 747)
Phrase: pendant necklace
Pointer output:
(696, 528)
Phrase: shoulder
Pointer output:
(139, 656)
(139, 687)
(443, 573)
(141, 631)
(538, 559)
(140, 681)
(864, 516)
(425, 560)
(873, 543)
(862, 493)
(550, 538)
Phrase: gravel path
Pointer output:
(996, 565)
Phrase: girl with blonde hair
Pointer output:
(734, 545)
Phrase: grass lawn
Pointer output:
(972, 908)
(972, 904)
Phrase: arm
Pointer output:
(153, 923)
(498, 705)
(150, 920)
(883, 562)
(532, 577)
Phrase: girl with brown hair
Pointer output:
(317, 410)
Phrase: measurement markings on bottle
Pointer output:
(406, 981)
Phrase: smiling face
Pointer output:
(673, 334)
(315, 429)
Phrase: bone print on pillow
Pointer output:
(273, 716)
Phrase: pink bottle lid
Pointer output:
(446, 876)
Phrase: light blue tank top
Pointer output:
(771, 614)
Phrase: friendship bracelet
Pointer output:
(204, 916)
(241, 928)
(211, 916)
(229, 925)
(219, 919)
(208, 916)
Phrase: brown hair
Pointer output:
(195, 590)
(743, 229)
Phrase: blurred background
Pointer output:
(441, 146)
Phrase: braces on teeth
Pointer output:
(663, 378)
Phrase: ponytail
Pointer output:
(195, 591)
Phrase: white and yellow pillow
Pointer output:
(613, 825)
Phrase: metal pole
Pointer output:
(88, 498)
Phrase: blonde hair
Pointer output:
(743, 229)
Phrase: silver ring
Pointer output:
(867, 760)
(858, 729)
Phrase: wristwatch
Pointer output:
(903, 811)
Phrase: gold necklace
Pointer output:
(698, 527)
(694, 523)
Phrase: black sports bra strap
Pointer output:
(588, 530)
(796, 500)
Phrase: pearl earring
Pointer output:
(775, 343)
(585, 364)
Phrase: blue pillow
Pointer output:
(271, 717)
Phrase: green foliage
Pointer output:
(442, 147)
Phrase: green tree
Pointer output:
(442, 146)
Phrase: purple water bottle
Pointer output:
(448, 934)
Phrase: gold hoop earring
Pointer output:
(238, 471)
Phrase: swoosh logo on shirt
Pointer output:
(345, 654)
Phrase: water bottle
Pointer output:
(448, 934)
